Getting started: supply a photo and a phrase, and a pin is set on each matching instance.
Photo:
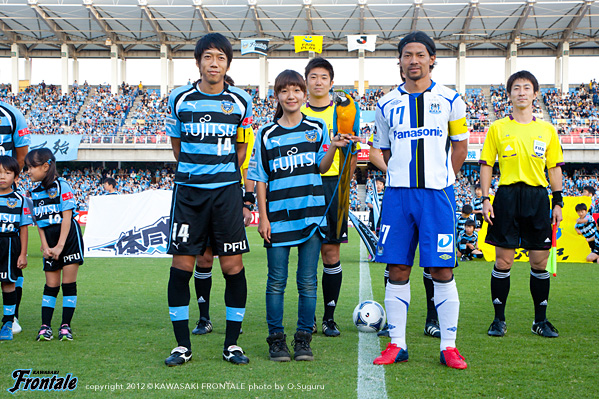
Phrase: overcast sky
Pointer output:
(378, 71)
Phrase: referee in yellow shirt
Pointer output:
(520, 215)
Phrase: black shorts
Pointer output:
(594, 248)
(329, 183)
(479, 219)
(522, 218)
(10, 249)
(201, 218)
(72, 252)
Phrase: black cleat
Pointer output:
(497, 329)
(180, 355)
(277, 347)
(203, 326)
(234, 354)
(545, 329)
(431, 328)
(330, 328)
(301, 346)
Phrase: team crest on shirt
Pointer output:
(11, 203)
(227, 107)
(312, 135)
(435, 107)
(52, 192)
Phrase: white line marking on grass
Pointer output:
(371, 378)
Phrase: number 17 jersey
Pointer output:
(418, 129)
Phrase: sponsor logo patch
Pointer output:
(67, 196)
(445, 243)
(24, 132)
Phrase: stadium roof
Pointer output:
(139, 27)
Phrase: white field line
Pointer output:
(371, 378)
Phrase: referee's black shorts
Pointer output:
(522, 218)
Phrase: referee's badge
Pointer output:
(539, 148)
(227, 107)
(445, 243)
(11, 203)
(52, 192)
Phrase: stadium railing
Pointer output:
(127, 139)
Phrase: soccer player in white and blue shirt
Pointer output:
(207, 122)
(421, 130)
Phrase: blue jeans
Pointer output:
(278, 265)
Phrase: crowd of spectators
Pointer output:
(23, 100)
(148, 116)
(54, 111)
(577, 110)
(477, 111)
(105, 113)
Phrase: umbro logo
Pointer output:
(452, 329)
(390, 326)
(332, 303)
(496, 301)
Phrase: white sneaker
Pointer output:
(16, 327)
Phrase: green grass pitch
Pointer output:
(123, 334)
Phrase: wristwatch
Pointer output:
(484, 198)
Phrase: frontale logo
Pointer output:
(23, 381)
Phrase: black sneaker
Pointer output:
(65, 333)
(45, 333)
(545, 329)
(234, 354)
(330, 328)
(203, 326)
(179, 356)
(301, 346)
(431, 328)
(497, 329)
(277, 347)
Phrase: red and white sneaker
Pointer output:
(392, 354)
(452, 358)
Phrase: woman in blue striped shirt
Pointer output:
(289, 155)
